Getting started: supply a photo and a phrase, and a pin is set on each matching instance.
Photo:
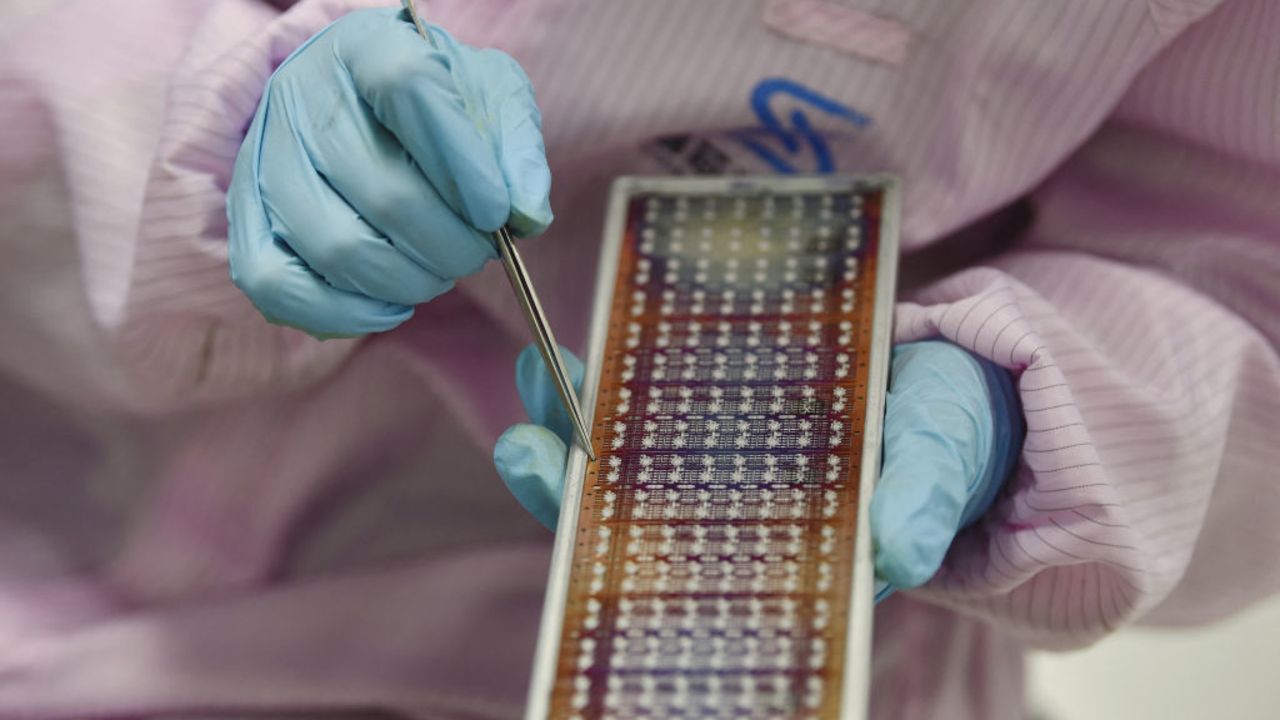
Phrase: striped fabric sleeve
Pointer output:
(1146, 407)
(125, 300)
(186, 331)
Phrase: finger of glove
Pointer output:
(328, 234)
(934, 442)
(275, 280)
(530, 459)
(287, 292)
(412, 90)
(371, 170)
(523, 158)
(942, 370)
(538, 390)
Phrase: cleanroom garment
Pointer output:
(204, 515)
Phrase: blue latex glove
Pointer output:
(374, 171)
(953, 430)
(530, 457)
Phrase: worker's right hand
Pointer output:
(374, 171)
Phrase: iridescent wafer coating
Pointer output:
(715, 538)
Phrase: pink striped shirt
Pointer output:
(203, 514)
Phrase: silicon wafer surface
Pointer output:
(715, 540)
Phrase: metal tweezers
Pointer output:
(528, 300)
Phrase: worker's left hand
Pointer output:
(952, 432)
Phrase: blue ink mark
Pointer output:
(801, 133)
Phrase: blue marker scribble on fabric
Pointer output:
(800, 134)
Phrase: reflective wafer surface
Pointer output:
(712, 565)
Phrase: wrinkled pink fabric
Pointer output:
(203, 515)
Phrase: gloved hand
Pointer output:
(952, 433)
(374, 171)
(530, 457)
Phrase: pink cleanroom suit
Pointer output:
(206, 516)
